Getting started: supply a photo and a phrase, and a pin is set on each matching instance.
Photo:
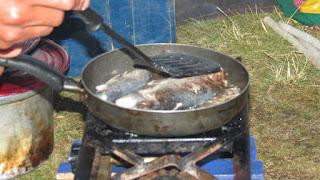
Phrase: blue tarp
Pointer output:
(139, 21)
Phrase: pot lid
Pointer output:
(14, 82)
(30, 45)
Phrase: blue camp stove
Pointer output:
(108, 153)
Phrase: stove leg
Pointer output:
(242, 161)
(84, 162)
(104, 168)
(101, 166)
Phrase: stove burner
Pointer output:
(176, 157)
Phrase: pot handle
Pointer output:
(56, 80)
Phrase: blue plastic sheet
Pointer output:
(139, 21)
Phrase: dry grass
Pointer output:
(234, 31)
(288, 69)
(284, 96)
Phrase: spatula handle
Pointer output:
(91, 19)
(94, 22)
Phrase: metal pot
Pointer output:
(26, 121)
(146, 122)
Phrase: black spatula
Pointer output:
(175, 64)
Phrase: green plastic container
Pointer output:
(290, 9)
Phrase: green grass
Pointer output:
(284, 97)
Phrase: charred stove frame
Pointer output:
(100, 143)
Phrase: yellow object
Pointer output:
(310, 6)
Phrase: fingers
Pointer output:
(11, 35)
(38, 12)
(48, 17)
(24, 19)
(38, 16)
(11, 52)
(64, 5)
(1, 70)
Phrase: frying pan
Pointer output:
(145, 122)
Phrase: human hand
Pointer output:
(21, 20)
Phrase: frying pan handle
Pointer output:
(56, 80)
